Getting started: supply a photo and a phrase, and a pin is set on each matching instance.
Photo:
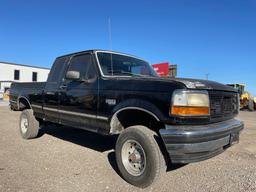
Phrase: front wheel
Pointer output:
(139, 157)
(29, 126)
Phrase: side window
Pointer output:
(83, 64)
(16, 74)
(91, 72)
(57, 69)
(34, 76)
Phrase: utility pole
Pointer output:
(207, 75)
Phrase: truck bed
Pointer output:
(27, 86)
(24, 89)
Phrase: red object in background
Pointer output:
(162, 69)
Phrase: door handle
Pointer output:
(63, 86)
(50, 93)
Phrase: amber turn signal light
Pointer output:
(189, 110)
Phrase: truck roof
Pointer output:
(94, 50)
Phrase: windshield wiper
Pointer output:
(127, 73)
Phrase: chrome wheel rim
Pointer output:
(133, 157)
(24, 124)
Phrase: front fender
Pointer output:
(147, 107)
(140, 105)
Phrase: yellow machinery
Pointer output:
(246, 99)
(6, 95)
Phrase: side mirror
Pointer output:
(73, 75)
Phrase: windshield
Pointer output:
(241, 89)
(120, 65)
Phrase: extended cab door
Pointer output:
(79, 98)
(51, 91)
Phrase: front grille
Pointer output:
(223, 105)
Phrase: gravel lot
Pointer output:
(4, 103)
(67, 159)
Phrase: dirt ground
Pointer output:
(67, 159)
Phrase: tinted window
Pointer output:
(91, 73)
(83, 64)
(117, 64)
(34, 76)
(16, 74)
(57, 69)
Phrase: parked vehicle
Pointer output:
(247, 101)
(158, 120)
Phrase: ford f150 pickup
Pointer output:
(157, 120)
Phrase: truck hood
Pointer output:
(203, 84)
(157, 84)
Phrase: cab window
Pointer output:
(83, 64)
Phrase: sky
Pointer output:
(214, 37)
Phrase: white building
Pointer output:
(11, 72)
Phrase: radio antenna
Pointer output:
(109, 34)
(110, 43)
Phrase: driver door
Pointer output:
(78, 98)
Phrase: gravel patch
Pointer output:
(68, 159)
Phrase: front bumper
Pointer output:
(187, 144)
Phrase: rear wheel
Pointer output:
(139, 157)
(29, 126)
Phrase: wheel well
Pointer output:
(24, 104)
(131, 117)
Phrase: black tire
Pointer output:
(251, 105)
(155, 162)
(30, 129)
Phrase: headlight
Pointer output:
(190, 103)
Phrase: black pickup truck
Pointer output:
(157, 120)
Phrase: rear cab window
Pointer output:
(57, 72)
